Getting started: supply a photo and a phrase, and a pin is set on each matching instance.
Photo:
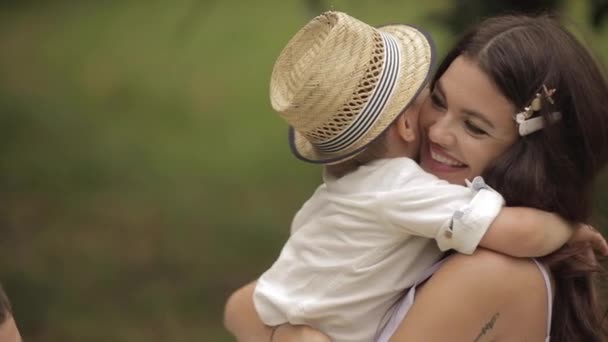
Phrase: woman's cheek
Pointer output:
(426, 113)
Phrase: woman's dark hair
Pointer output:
(552, 169)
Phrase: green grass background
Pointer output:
(143, 174)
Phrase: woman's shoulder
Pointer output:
(483, 296)
(494, 272)
(495, 263)
(512, 288)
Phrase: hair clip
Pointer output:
(527, 124)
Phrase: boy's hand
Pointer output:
(584, 233)
(298, 333)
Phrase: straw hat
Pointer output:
(339, 83)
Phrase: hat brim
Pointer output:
(418, 56)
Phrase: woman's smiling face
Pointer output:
(465, 123)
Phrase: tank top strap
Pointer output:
(426, 274)
(545, 273)
(404, 305)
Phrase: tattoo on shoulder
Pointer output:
(487, 327)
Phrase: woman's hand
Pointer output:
(298, 333)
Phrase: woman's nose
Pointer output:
(441, 132)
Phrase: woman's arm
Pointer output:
(241, 319)
(485, 296)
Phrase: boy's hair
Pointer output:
(5, 306)
(375, 150)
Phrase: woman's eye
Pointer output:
(471, 127)
(437, 101)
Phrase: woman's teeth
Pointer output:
(445, 160)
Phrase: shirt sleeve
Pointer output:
(455, 216)
(269, 305)
(308, 209)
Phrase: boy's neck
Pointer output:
(406, 151)
(397, 147)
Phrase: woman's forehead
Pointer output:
(467, 89)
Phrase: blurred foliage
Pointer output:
(598, 12)
(463, 14)
(144, 176)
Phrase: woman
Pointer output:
(493, 73)
(468, 126)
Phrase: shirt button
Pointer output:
(448, 234)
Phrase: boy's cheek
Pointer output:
(421, 98)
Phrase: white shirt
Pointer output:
(361, 239)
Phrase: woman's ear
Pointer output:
(406, 127)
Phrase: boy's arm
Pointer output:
(456, 217)
(526, 232)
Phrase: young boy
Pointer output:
(8, 328)
(366, 234)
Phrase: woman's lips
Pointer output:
(438, 160)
